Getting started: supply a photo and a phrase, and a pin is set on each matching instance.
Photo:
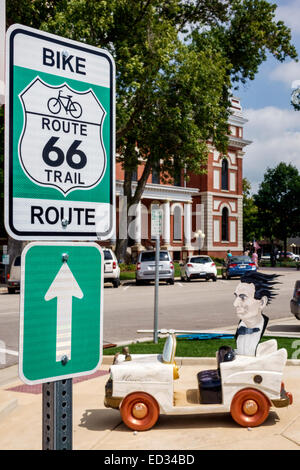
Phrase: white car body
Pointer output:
(111, 267)
(289, 255)
(13, 281)
(154, 375)
(197, 267)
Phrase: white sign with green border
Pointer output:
(60, 138)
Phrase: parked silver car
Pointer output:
(145, 267)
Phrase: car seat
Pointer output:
(209, 381)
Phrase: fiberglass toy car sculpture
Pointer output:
(247, 384)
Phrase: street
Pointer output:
(197, 305)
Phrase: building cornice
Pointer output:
(161, 191)
(237, 120)
(238, 142)
(210, 193)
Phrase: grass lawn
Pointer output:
(127, 275)
(198, 348)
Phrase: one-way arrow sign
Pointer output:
(61, 305)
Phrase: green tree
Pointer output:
(278, 202)
(172, 94)
(251, 218)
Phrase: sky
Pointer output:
(273, 125)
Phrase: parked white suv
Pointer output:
(13, 279)
(111, 267)
(289, 255)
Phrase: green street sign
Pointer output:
(60, 138)
(60, 311)
(156, 222)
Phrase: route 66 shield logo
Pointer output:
(61, 145)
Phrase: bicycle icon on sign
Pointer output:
(56, 104)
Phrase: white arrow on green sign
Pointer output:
(61, 306)
(64, 287)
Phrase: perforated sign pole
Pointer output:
(57, 415)
(157, 250)
(156, 224)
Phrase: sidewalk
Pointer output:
(96, 427)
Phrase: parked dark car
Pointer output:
(237, 266)
(295, 301)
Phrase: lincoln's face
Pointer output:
(247, 307)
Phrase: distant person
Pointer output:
(255, 259)
(229, 255)
(246, 253)
(273, 258)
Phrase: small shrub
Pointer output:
(127, 267)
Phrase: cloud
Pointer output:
(290, 14)
(286, 73)
(275, 136)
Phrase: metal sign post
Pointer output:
(57, 415)
(156, 228)
(157, 252)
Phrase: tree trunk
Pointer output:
(121, 247)
(14, 248)
(273, 255)
(124, 219)
(285, 246)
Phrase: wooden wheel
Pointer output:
(249, 407)
(139, 411)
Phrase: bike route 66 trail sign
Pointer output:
(60, 144)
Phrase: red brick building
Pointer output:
(211, 203)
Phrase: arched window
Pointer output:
(134, 175)
(225, 224)
(155, 176)
(224, 173)
(177, 223)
